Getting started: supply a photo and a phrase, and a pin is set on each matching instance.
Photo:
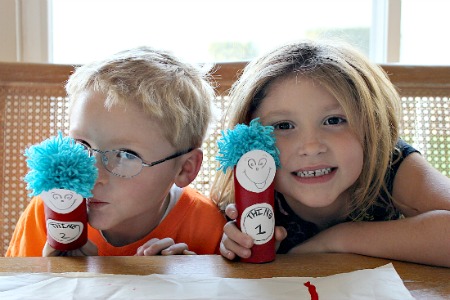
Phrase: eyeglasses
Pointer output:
(125, 164)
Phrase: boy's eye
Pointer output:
(127, 154)
(283, 126)
(85, 145)
(334, 121)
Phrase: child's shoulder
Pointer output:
(193, 196)
(193, 205)
(36, 205)
(197, 203)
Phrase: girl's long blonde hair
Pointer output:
(363, 89)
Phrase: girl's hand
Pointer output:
(89, 249)
(235, 243)
(165, 246)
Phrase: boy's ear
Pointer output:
(190, 167)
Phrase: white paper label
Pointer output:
(64, 232)
(258, 221)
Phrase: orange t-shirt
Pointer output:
(194, 220)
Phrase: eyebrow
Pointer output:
(334, 106)
(327, 107)
(275, 114)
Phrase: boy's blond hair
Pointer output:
(174, 93)
(368, 98)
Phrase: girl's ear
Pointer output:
(191, 163)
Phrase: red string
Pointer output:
(312, 291)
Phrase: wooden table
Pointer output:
(424, 282)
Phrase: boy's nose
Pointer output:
(103, 174)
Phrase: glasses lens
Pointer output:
(122, 163)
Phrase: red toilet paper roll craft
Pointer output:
(63, 174)
(251, 152)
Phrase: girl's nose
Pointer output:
(311, 143)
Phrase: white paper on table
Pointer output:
(379, 283)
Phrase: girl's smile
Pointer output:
(315, 175)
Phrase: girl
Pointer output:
(347, 182)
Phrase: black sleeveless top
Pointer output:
(299, 230)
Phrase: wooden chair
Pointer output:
(425, 120)
(33, 107)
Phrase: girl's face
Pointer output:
(320, 155)
(124, 209)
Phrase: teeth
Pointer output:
(314, 173)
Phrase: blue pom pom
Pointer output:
(60, 163)
(244, 138)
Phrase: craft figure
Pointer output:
(250, 150)
(63, 174)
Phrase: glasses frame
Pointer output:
(103, 153)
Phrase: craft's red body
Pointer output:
(77, 215)
(244, 198)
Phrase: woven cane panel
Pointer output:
(426, 125)
(29, 116)
(209, 147)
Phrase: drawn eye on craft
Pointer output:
(261, 163)
(251, 163)
(255, 170)
(68, 196)
(56, 196)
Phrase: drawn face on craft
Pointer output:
(255, 170)
(61, 200)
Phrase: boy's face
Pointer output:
(125, 209)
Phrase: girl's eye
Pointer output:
(283, 126)
(334, 121)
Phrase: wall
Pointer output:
(24, 30)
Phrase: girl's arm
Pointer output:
(421, 239)
(422, 193)
(419, 187)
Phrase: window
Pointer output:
(424, 37)
(77, 31)
(201, 30)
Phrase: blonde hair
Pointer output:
(175, 93)
(363, 89)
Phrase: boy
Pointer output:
(143, 114)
